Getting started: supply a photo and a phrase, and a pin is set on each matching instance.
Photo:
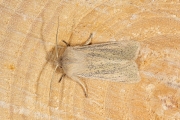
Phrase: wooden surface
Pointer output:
(27, 36)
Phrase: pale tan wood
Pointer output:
(28, 32)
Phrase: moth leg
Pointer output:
(89, 40)
(83, 85)
(67, 44)
(63, 75)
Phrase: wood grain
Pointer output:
(27, 38)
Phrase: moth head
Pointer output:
(55, 57)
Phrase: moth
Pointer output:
(111, 61)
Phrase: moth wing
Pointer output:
(124, 71)
(113, 61)
(119, 50)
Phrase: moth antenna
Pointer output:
(57, 39)
(56, 48)
(52, 79)
(89, 40)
